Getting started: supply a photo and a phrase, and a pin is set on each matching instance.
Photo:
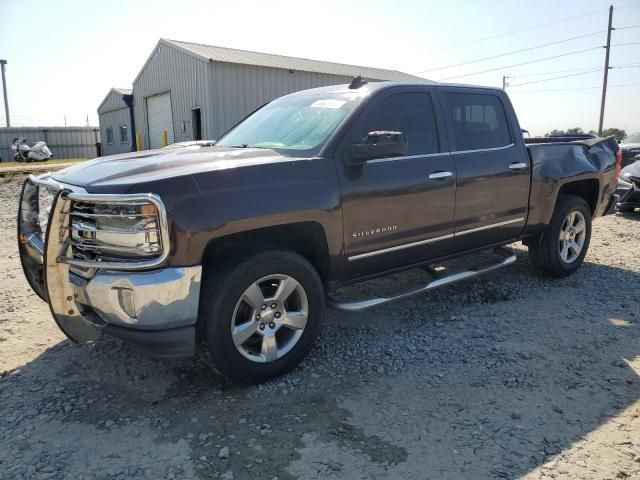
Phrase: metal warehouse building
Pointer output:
(196, 91)
(116, 122)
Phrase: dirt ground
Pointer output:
(514, 375)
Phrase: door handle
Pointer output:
(439, 175)
(517, 166)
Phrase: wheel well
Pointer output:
(305, 238)
(587, 189)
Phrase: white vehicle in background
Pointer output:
(23, 152)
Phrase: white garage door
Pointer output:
(159, 118)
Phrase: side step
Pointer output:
(508, 257)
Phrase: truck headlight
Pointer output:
(117, 230)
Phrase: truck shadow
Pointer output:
(508, 372)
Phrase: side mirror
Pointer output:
(379, 144)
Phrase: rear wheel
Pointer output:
(561, 248)
(260, 316)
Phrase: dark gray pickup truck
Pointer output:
(233, 250)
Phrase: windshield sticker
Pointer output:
(328, 103)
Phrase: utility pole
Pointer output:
(4, 89)
(504, 82)
(606, 71)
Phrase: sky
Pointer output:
(64, 55)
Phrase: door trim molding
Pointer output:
(432, 240)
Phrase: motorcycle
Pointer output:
(38, 152)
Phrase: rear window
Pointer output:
(479, 121)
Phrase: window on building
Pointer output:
(124, 136)
(478, 121)
(411, 113)
(109, 135)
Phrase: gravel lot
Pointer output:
(511, 376)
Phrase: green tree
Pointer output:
(554, 132)
(614, 132)
(574, 130)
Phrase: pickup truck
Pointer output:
(232, 251)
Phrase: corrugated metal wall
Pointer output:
(64, 142)
(184, 76)
(237, 90)
(113, 120)
(113, 101)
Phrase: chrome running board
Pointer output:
(508, 257)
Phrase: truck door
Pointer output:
(397, 211)
(492, 165)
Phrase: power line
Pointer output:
(512, 52)
(555, 71)
(555, 78)
(524, 63)
(575, 88)
(533, 27)
(624, 28)
(624, 44)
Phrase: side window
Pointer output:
(411, 113)
(109, 135)
(123, 134)
(478, 120)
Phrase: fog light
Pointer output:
(125, 299)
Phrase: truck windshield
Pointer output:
(295, 125)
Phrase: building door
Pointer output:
(160, 118)
(196, 121)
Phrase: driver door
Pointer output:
(397, 211)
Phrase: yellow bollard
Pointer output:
(165, 138)
(138, 142)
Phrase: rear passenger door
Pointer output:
(492, 166)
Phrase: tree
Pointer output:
(575, 130)
(554, 132)
(614, 132)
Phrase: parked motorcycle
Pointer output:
(23, 152)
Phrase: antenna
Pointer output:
(357, 82)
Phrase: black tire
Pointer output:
(222, 290)
(544, 250)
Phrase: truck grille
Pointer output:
(115, 232)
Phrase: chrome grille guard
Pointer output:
(46, 257)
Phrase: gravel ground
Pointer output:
(511, 376)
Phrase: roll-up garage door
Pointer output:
(159, 118)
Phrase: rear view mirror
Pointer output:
(379, 144)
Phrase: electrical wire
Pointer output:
(533, 27)
(523, 63)
(556, 71)
(512, 52)
(555, 78)
(575, 88)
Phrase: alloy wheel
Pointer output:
(572, 236)
(269, 318)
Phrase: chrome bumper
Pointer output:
(143, 306)
(158, 299)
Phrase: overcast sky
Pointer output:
(64, 55)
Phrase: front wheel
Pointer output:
(561, 248)
(260, 315)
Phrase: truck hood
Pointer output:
(141, 167)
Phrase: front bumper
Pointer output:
(155, 310)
